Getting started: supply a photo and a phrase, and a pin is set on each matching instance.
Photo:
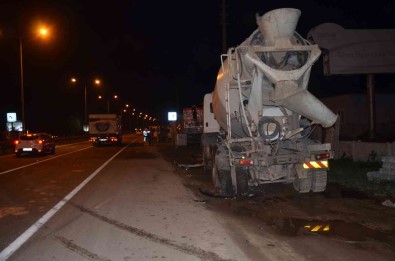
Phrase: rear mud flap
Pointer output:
(319, 180)
(310, 180)
(303, 179)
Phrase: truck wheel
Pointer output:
(225, 182)
(319, 180)
(214, 176)
(221, 163)
(207, 163)
(208, 159)
(242, 180)
(303, 185)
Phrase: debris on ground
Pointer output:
(187, 166)
(388, 203)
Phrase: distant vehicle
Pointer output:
(192, 118)
(105, 129)
(34, 144)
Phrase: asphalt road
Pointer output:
(128, 203)
(105, 203)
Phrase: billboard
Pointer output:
(14, 126)
(355, 51)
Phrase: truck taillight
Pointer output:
(323, 156)
(246, 162)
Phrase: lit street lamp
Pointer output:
(115, 97)
(126, 118)
(95, 82)
(43, 32)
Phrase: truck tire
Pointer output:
(214, 177)
(222, 165)
(242, 181)
(207, 159)
(225, 182)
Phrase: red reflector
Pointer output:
(324, 156)
(246, 162)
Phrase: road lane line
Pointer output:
(54, 157)
(14, 246)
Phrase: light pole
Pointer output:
(95, 82)
(43, 32)
(125, 120)
(115, 97)
(22, 90)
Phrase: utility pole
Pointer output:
(22, 90)
(223, 16)
(371, 105)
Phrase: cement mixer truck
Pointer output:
(258, 119)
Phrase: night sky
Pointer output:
(156, 55)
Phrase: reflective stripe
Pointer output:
(315, 164)
(317, 228)
(326, 228)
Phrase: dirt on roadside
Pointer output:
(338, 212)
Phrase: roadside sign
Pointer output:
(172, 116)
(11, 117)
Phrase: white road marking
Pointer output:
(14, 246)
(54, 157)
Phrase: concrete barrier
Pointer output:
(365, 151)
(386, 172)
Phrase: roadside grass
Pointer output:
(353, 175)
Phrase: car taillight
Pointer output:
(40, 141)
(16, 142)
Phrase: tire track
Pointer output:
(185, 248)
(79, 250)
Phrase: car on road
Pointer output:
(34, 144)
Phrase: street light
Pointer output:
(125, 120)
(125, 109)
(43, 32)
(115, 97)
(95, 82)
